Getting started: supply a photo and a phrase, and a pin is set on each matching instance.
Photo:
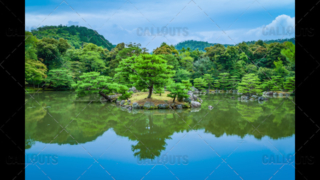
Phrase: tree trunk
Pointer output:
(173, 100)
(49, 84)
(105, 96)
(150, 91)
(150, 122)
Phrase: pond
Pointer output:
(234, 140)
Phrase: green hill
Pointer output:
(272, 41)
(193, 45)
(75, 35)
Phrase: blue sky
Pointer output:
(214, 21)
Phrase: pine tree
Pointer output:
(209, 80)
(123, 90)
(146, 71)
(267, 85)
(199, 83)
(234, 81)
(187, 84)
(216, 84)
(277, 83)
(250, 84)
(93, 83)
(177, 90)
(159, 90)
(77, 68)
(290, 84)
(224, 80)
(124, 70)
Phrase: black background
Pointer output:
(12, 94)
(307, 96)
(12, 124)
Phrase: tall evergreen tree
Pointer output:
(177, 90)
(209, 80)
(224, 80)
(146, 71)
(289, 85)
(250, 84)
(200, 83)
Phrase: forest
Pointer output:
(77, 58)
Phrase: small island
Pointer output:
(138, 100)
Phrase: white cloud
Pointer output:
(121, 25)
(282, 27)
(142, 13)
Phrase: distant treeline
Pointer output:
(193, 45)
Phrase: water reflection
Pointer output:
(50, 112)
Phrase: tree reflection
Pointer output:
(49, 113)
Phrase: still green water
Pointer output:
(234, 140)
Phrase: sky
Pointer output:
(151, 22)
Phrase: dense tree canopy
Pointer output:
(58, 56)
(50, 50)
(59, 78)
(289, 52)
(165, 49)
(35, 70)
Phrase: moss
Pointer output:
(186, 105)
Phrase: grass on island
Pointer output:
(156, 99)
(283, 92)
